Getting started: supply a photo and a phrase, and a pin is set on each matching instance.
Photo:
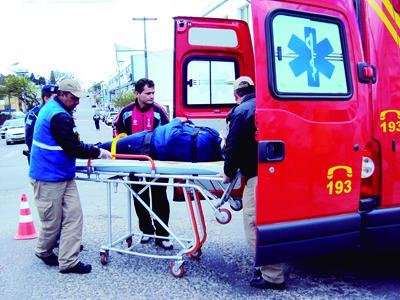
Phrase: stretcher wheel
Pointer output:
(197, 254)
(129, 242)
(177, 270)
(224, 216)
(236, 204)
(103, 258)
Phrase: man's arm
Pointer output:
(164, 119)
(30, 121)
(64, 131)
(235, 140)
(123, 121)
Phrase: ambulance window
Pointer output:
(308, 57)
(209, 82)
(213, 37)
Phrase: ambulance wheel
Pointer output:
(176, 271)
(129, 242)
(196, 255)
(103, 258)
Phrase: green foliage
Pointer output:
(97, 86)
(21, 87)
(124, 99)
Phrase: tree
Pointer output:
(21, 87)
(124, 99)
(59, 75)
(52, 78)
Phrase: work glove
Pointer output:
(105, 154)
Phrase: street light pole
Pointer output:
(144, 19)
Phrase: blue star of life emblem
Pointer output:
(311, 56)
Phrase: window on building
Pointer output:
(309, 57)
(209, 81)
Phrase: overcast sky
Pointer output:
(78, 36)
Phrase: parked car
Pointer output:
(110, 117)
(15, 131)
(4, 128)
(103, 115)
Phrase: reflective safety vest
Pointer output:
(48, 160)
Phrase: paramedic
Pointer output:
(145, 114)
(55, 146)
(240, 153)
(49, 91)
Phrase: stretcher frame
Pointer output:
(194, 190)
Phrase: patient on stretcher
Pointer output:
(176, 141)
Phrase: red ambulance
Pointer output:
(327, 77)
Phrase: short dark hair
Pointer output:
(245, 90)
(48, 90)
(141, 83)
(47, 94)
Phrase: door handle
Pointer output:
(271, 151)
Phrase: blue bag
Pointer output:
(185, 142)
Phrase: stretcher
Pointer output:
(197, 181)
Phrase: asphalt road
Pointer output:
(222, 272)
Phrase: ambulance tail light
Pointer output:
(370, 173)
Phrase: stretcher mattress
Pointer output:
(162, 167)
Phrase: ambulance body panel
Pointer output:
(327, 117)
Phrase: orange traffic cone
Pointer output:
(26, 228)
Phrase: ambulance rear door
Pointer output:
(209, 55)
(311, 121)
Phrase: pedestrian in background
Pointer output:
(240, 153)
(96, 119)
(145, 114)
(49, 91)
(55, 147)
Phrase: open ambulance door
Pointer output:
(312, 124)
(209, 55)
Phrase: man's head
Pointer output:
(243, 86)
(49, 91)
(69, 92)
(144, 92)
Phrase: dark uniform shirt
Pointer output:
(30, 121)
(65, 133)
(240, 151)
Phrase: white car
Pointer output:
(15, 131)
(4, 128)
(110, 117)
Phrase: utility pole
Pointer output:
(144, 19)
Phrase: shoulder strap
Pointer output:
(146, 143)
(194, 138)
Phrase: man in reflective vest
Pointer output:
(55, 146)
(145, 114)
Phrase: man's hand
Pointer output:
(105, 154)
(226, 179)
(182, 119)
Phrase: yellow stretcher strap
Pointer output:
(114, 143)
